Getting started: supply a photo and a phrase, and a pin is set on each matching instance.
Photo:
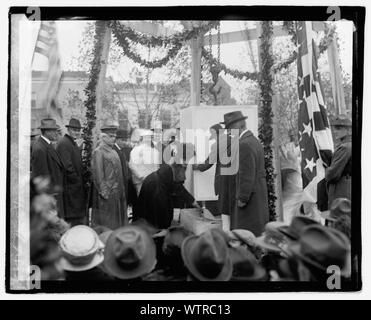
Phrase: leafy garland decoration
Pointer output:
(125, 34)
(90, 102)
(234, 73)
(266, 113)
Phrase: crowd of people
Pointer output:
(122, 227)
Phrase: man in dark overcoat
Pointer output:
(251, 208)
(339, 173)
(160, 192)
(74, 192)
(46, 163)
(119, 148)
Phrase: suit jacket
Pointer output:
(74, 192)
(339, 173)
(251, 187)
(45, 162)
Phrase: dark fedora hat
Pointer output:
(339, 207)
(122, 133)
(271, 240)
(74, 123)
(232, 117)
(322, 247)
(207, 256)
(48, 124)
(245, 266)
(130, 252)
(293, 231)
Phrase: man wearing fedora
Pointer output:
(45, 161)
(109, 206)
(339, 173)
(74, 192)
(251, 206)
(119, 148)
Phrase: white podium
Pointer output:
(195, 122)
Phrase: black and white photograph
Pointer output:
(184, 149)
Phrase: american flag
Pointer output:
(315, 139)
(47, 45)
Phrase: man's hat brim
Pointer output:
(224, 275)
(97, 260)
(233, 121)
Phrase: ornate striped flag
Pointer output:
(47, 45)
(315, 139)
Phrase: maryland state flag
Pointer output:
(315, 139)
(47, 45)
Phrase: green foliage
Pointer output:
(265, 111)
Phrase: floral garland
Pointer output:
(265, 112)
(125, 34)
(90, 102)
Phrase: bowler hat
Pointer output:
(322, 247)
(271, 239)
(339, 207)
(245, 266)
(49, 124)
(81, 249)
(207, 256)
(232, 117)
(109, 125)
(130, 253)
(297, 225)
(74, 123)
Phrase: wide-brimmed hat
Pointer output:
(109, 125)
(245, 266)
(322, 247)
(74, 123)
(130, 253)
(339, 207)
(48, 124)
(81, 248)
(271, 239)
(243, 235)
(207, 256)
(232, 117)
(293, 231)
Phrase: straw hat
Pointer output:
(81, 248)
